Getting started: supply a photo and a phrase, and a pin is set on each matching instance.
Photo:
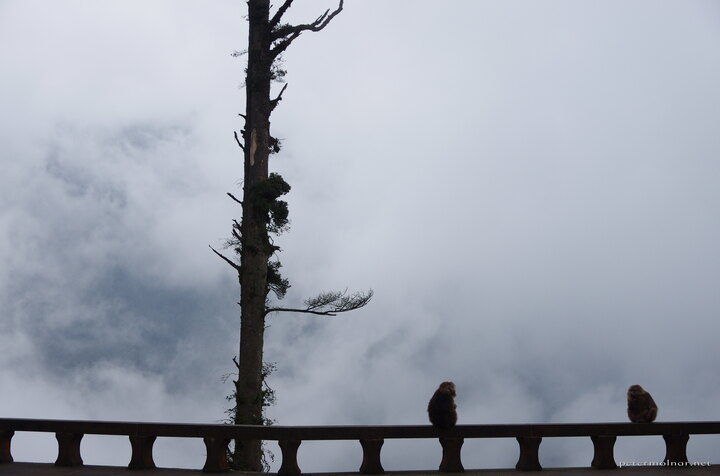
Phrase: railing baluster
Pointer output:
(371, 456)
(142, 452)
(289, 465)
(603, 458)
(451, 455)
(676, 448)
(529, 459)
(216, 459)
(5, 439)
(68, 449)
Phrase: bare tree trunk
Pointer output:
(255, 251)
(263, 213)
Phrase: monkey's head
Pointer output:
(448, 388)
(635, 390)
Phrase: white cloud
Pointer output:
(529, 189)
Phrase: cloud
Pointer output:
(531, 193)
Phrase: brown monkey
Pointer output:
(641, 406)
(441, 408)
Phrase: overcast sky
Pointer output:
(530, 188)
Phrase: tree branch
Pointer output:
(235, 232)
(274, 102)
(329, 303)
(238, 141)
(282, 46)
(234, 198)
(286, 34)
(278, 15)
(227, 260)
(305, 311)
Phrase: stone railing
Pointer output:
(216, 437)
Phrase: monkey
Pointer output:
(641, 406)
(441, 408)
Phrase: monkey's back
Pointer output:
(642, 408)
(441, 410)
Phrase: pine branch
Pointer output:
(278, 15)
(329, 303)
(234, 198)
(283, 45)
(274, 102)
(286, 34)
(304, 311)
(227, 260)
(238, 140)
(236, 232)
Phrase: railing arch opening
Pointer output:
(102, 450)
(702, 445)
(34, 447)
(192, 453)
(640, 448)
(483, 453)
(394, 456)
(338, 456)
(571, 452)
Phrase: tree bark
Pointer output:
(255, 252)
(268, 39)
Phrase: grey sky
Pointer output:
(531, 189)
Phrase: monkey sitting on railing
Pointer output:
(641, 406)
(442, 408)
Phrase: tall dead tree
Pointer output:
(264, 214)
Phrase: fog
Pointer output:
(530, 189)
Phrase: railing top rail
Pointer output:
(189, 430)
